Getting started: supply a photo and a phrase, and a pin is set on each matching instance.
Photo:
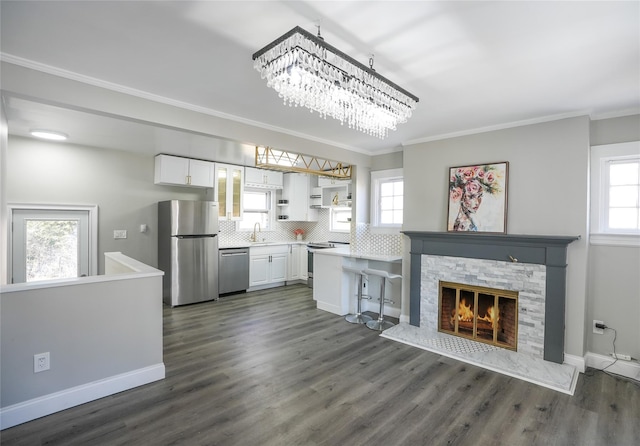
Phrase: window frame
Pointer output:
(91, 236)
(601, 158)
(270, 209)
(379, 177)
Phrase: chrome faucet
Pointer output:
(254, 236)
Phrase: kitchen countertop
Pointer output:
(248, 244)
(345, 251)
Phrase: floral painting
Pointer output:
(478, 198)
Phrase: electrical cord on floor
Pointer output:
(615, 335)
(604, 370)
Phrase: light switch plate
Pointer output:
(120, 233)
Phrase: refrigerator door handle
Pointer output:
(195, 236)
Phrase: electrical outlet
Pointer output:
(41, 362)
(597, 330)
(119, 233)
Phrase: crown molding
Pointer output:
(49, 69)
(506, 125)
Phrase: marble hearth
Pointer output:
(533, 266)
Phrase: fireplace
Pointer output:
(534, 266)
(488, 315)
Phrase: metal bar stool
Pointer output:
(357, 318)
(381, 324)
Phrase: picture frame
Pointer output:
(478, 198)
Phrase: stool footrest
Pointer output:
(358, 318)
(379, 325)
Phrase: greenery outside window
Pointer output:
(387, 198)
(258, 205)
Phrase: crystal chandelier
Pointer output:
(306, 71)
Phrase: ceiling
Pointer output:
(474, 65)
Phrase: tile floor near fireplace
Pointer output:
(560, 377)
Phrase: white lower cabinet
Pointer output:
(297, 262)
(268, 266)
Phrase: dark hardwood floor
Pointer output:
(268, 368)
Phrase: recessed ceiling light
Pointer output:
(49, 134)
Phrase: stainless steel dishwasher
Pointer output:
(233, 276)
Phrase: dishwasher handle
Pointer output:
(230, 254)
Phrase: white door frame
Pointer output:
(93, 229)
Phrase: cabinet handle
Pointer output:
(188, 179)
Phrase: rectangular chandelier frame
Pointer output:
(334, 50)
(276, 159)
(308, 72)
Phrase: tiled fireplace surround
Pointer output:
(525, 278)
(533, 265)
(548, 252)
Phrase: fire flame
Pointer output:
(465, 313)
(493, 316)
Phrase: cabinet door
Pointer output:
(258, 270)
(237, 188)
(297, 190)
(201, 173)
(278, 267)
(294, 262)
(171, 170)
(229, 189)
(254, 176)
(304, 263)
(274, 179)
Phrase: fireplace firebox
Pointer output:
(483, 314)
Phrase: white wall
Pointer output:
(104, 335)
(120, 183)
(4, 142)
(614, 282)
(17, 80)
(614, 298)
(547, 194)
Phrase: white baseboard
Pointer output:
(54, 402)
(629, 369)
(266, 286)
(335, 309)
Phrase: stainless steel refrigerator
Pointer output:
(188, 251)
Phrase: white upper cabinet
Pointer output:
(178, 171)
(229, 190)
(264, 178)
(297, 195)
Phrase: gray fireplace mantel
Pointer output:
(550, 251)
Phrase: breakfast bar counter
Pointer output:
(334, 290)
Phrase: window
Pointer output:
(387, 195)
(258, 204)
(340, 219)
(53, 242)
(615, 194)
(622, 211)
